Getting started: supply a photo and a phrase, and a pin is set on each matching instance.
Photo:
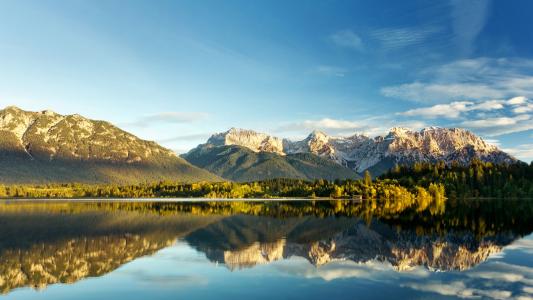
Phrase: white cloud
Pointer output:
(347, 39)
(333, 126)
(476, 79)
(367, 126)
(491, 280)
(517, 100)
(456, 288)
(499, 279)
(327, 123)
(341, 269)
(496, 122)
(500, 125)
(523, 109)
(490, 117)
(488, 105)
(453, 110)
(522, 152)
(439, 92)
(168, 118)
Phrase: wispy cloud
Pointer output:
(489, 118)
(523, 152)
(347, 39)
(168, 118)
(395, 38)
(468, 19)
(184, 138)
(439, 92)
(476, 79)
(368, 126)
(331, 71)
(496, 122)
(500, 280)
(453, 110)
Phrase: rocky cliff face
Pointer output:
(360, 152)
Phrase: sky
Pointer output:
(178, 71)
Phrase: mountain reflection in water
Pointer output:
(63, 242)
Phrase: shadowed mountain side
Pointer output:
(21, 170)
(242, 164)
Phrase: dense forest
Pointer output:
(418, 183)
(479, 179)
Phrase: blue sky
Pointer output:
(177, 71)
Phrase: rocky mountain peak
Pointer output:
(318, 135)
(250, 139)
(48, 135)
(399, 131)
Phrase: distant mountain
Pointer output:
(378, 154)
(242, 164)
(41, 147)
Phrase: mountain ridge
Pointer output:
(360, 152)
(40, 147)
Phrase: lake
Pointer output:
(266, 250)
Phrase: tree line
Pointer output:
(421, 183)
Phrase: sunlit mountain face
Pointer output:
(44, 244)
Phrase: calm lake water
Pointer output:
(259, 250)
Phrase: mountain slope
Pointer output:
(242, 164)
(378, 154)
(41, 147)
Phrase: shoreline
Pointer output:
(177, 200)
(203, 199)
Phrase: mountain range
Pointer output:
(43, 147)
(356, 153)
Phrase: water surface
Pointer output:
(261, 250)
